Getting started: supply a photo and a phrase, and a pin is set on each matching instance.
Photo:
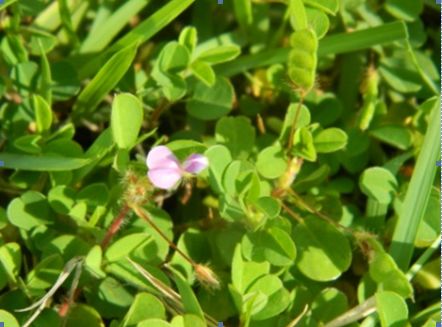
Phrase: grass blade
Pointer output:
(335, 44)
(49, 19)
(363, 39)
(143, 32)
(153, 24)
(418, 193)
(43, 163)
(105, 80)
(66, 21)
(103, 34)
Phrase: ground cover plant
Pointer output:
(186, 163)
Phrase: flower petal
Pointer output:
(161, 157)
(164, 178)
(195, 163)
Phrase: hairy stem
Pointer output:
(115, 227)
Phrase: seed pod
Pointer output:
(369, 88)
(303, 59)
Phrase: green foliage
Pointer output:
(126, 120)
(320, 202)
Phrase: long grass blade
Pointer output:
(143, 32)
(105, 80)
(103, 35)
(335, 44)
(418, 193)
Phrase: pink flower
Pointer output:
(165, 171)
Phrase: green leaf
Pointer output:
(219, 158)
(392, 309)
(95, 194)
(83, 315)
(145, 306)
(41, 163)
(8, 319)
(195, 244)
(211, 103)
(157, 323)
(128, 244)
(429, 227)
(303, 144)
(428, 276)
(29, 210)
(126, 120)
(298, 15)
(289, 119)
(43, 114)
(29, 143)
(237, 134)
(379, 184)
(273, 245)
(277, 296)
(269, 206)
(232, 173)
(105, 80)
(203, 72)
(220, 54)
(243, 13)
(184, 148)
(406, 10)
(66, 22)
(329, 304)
(189, 38)
(173, 58)
(45, 82)
(395, 135)
(62, 199)
(190, 301)
(44, 274)
(187, 320)
(110, 297)
(318, 21)
(402, 72)
(173, 86)
(245, 273)
(330, 140)
(329, 6)
(271, 162)
(10, 260)
(93, 261)
(384, 271)
(316, 242)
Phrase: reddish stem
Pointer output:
(142, 214)
(115, 227)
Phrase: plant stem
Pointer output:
(291, 213)
(352, 315)
(320, 214)
(142, 214)
(115, 227)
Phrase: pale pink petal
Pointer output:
(161, 157)
(195, 163)
(164, 178)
